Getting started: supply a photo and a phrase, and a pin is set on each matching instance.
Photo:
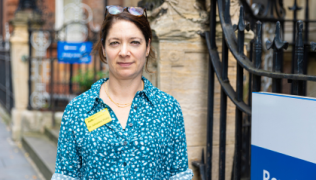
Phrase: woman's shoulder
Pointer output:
(77, 108)
(87, 98)
(163, 98)
(169, 107)
(81, 99)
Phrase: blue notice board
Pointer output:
(74, 53)
(283, 137)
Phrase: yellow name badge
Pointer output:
(98, 119)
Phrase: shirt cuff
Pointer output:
(57, 176)
(186, 175)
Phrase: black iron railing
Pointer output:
(54, 93)
(6, 94)
(252, 64)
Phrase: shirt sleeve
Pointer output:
(68, 161)
(179, 164)
(57, 176)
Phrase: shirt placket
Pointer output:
(114, 126)
(127, 157)
(124, 137)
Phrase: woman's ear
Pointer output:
(103, 51)
(148, 48)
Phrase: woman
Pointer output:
(123, 127)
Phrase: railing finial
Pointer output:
(258, 38)
(242, 25)
(277, 42)
(277, 45)
(295, 7)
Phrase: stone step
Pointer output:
(52, 134)
(42, 151)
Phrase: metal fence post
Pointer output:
(241, 26)
(257, 57)
(277, 45)
(210, 111)
(294, 8)
(299, 59)
(223, 100)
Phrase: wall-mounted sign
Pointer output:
(74, 53)
(283, 137)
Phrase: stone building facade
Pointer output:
(180, 70)
(181, 67)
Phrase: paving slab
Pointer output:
(14, 164)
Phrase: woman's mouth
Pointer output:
(124, 64)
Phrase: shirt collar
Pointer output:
(148, 90)
(95, 90)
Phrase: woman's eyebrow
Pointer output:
(136, 38)
(114, 38)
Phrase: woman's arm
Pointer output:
(179, 169)
(68, 161)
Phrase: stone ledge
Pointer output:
(42, 152)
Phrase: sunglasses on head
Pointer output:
(136, 11)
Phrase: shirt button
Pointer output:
(124, 164)
(125, 143)
(135, 107)
(130, 124)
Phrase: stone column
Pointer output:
(183, 72)
(183, 65)
(19, 53)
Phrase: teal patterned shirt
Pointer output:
(152, 146)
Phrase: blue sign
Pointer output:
(283, 137)
(74, 53)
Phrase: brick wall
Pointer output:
(9, 7)
(47, 7)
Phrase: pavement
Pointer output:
(14, 161)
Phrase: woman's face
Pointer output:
(125, 50)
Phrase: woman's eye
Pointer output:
(114, 43)
(135, 42)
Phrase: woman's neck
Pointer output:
(123, 90)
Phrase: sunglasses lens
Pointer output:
(115, 10)
(137, 11)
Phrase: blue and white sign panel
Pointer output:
(74, 52)
(283, 144)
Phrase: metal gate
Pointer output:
(53, 83)
(6, 93)
(253, 65)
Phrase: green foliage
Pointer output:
(85, 79)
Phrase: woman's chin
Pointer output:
(127, 74)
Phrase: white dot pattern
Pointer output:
(152, 146)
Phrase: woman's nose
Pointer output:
(124, 50)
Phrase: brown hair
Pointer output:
(140, 21)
